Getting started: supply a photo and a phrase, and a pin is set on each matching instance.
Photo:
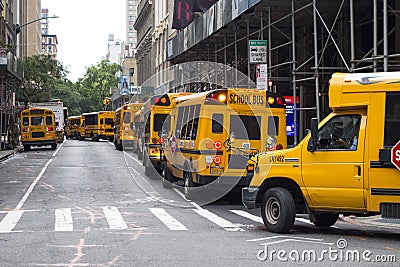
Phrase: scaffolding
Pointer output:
(308, 40)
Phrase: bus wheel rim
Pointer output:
(272, 210)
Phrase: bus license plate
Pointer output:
(217, 170)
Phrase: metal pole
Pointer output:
(1, 113)
(248, 52)
(385, 36)
(269, 48)
(352, 50)
(375, 35)
(294, 74)
(225, 74)
(236, 59)
(316, 74)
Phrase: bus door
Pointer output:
(245, 127)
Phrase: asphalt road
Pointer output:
(87, 204)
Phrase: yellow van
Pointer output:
(199, 146)
(99, 125)
(342, 166)
(124, 125)
(38, 128)
(74, 127)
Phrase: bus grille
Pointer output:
(390, 210)
(37, 134)
(237, 161)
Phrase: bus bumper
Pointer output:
(249, 197)
(39, 143)
(224, 180)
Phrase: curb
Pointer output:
(376, 221)
(11, 153)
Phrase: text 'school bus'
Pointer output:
(124, 125)
(99, 125)
(38, 128)
(343, 166)
(74, 127)
(214, 133)
(154, 114)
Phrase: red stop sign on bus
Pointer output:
(395, 155)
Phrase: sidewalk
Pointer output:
(4, 154)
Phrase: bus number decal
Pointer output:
(279, 158)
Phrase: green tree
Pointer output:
(68, 93)
(41, 73)
(96, 84)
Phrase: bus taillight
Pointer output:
(218, 144)
(49, 129)
(217, 159)
(126, 128)
(25, 130)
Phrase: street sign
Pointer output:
(257, 51)
(395, 155)
(262, 76)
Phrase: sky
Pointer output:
(82, 30)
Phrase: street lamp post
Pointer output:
(17, 29)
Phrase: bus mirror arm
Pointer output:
(312, 145)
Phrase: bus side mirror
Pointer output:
(312, 145)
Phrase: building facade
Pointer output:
(131, 34)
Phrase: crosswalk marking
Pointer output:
(10, 220)
(248, 215)
(227, 225)
(63, 220)
(114, 218)
(167, 219)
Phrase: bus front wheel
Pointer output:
(278, 210)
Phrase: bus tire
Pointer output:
(325, 219)
(278, 210)
(111, 138)
(167, 179)
(53, 146)
(80, 137)
(27, 147)
(188, 185)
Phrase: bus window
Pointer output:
(49, 120)
(273, 125)
(392, 119)
(37, 121)
(217, 123)
(127, 117)
(25, 121)
(159, 121)
(246, 127)
(179, 122)
(108, 121)
(101, 121)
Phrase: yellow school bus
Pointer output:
(74, 127)
(213, 134)
(124, 126)
(99, 125)
(38, 128)
(343, 166)
(138, 127)
(154, 114)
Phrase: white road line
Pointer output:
(284, 236)
(10, 220)
(304, 221)
(133, 158)
(248, 215)
(180, 193)
(64, 221)
(227, 225)
(114, 218)
(167, 219)
(30, 189)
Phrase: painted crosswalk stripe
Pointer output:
(167, 219)
(114, 218)
(10, 220)
(248, 215)
(64, 221)
(227, 225)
